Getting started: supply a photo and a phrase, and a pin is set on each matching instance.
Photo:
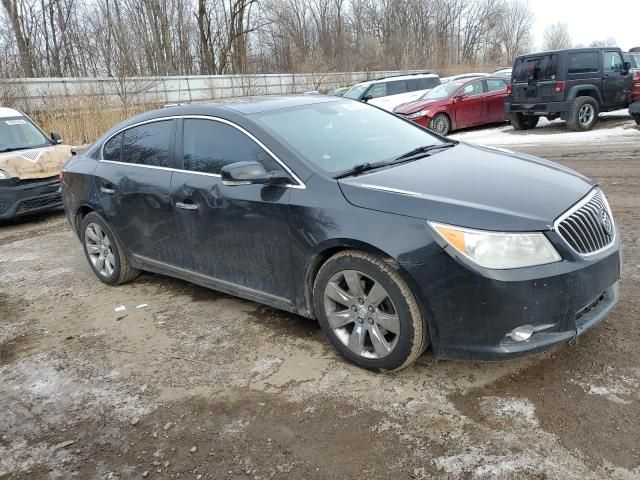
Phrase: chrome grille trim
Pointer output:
(581, 226)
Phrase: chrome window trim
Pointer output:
(586, 199)
(300, 184)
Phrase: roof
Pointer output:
(569, 50)
(398, 77)
(9, 112)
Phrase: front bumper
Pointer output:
(22, 197)
(470, 310)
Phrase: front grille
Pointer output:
(34, 203)
(588, 227)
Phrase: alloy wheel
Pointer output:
(99, 250)
(586, 114)
(440, 125)
(361, 313)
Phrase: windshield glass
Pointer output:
(18, 133)
(336, 136)
(634, 58)
(356, 91)
(442, 91)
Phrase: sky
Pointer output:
(590, 20)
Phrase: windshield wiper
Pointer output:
(410, 156)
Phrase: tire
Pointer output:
(116, 271)
(441, 124)
(364, 324)
(581, 108)
(638, 121)
(523, 122)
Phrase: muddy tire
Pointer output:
(583, 115)
(368, 312)
(523, 122)
(104, 252)
(441, 124)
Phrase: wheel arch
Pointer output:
(449, 115)
(585, 91)
(81, 212)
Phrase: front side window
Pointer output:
(18, 133)
(496, 85)
(356, 92)
(473, 89)
(612, 62)
(378, 90)
(209, 145)
(336, 136)
(148, 144)
(583, 62)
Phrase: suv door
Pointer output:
(133, 179)
(239, 235)
(615, 81)
(470, 106)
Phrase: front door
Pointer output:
(494, 98)
(615, 81)
(469, 105)
(133, 180)
(235, 234)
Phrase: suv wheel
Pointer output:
(104, 252)
(583, 115)
(369, 312)
(520, 121)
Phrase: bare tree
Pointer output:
(556, 37)
(515, 28)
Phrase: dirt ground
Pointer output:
(199, 384)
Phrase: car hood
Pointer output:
(391, 102)
(472, 186)
(412, 107)
(35, 163)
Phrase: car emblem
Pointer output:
(605, 221)
(362, 311)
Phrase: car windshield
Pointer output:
(337, 136)
(356, 91)
(442, 91)
(18, 133)
(634, 58)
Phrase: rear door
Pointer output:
(133, 180)
(234, 234)
(495, 96)
(616, 82)
(534, 79)
(470, 106)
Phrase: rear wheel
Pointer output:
(440, 124)
(104, 252)
(638, 121)
(368, 312)
(520, 121)
(583, 115)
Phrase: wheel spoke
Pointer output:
(101, 262)
(380, 344)
(376, 295)
(335, 293)
(353, 281)
(340, 319)
(92, 234)
(356, 340)
(110, 263)
(390, 322)
(92, 249)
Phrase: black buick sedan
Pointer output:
(393, 238)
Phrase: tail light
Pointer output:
(509, 89)
(636, 76)
(558, 87)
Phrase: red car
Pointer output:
(459, 104)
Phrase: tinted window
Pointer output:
(537, 68)
(583, 62)
(111, 150)
(612, 62)
(148, 144)
(495, 85)
(394, 88)
(208, 146)
(474, 88)
(422, 83)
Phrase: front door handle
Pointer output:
(108, 191)
(187, 206)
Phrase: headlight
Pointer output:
(421, 113)
(499, 250)
(3, 175)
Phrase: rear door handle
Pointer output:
(187, 206)
(108, 191)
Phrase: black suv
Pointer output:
(573, 84)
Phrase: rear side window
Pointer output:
(583, 62)
(210, 145)
(111, 150)
(495, 85)
(422, 83)
(148, 144)
(394, 88)
(539, 68)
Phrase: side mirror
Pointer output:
(626, 66)
(248, 173)
(366, 98)
(56, 138)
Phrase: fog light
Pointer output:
(521, 333)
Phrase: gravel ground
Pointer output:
(198, 384)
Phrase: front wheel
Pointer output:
(368, 312)
(440, 124)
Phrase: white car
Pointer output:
(389, 92)
(463, 76)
